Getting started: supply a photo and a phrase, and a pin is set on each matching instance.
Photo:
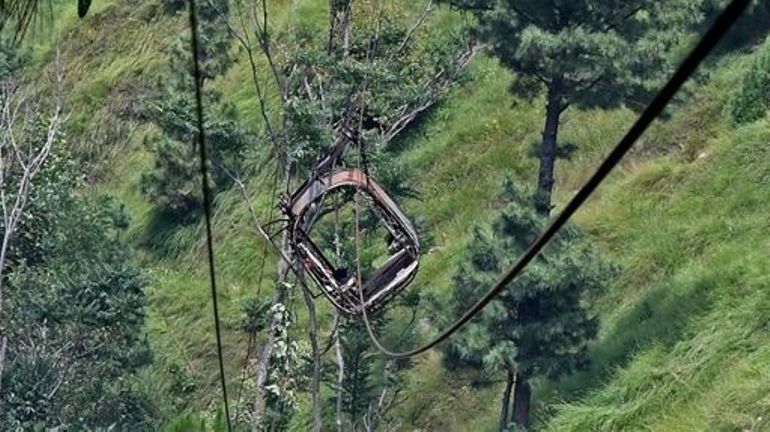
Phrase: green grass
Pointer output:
(705, 318)
(458, 165)
(682, 344)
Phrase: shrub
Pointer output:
(752, 100)
(74, 313)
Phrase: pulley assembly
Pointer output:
(339, 285)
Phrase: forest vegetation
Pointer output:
(481, 118)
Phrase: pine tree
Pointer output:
(584, 53)
(174, 184)
(538, 326)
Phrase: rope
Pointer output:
(207, 197)
(720, 27)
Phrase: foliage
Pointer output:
(11, 59)
(198, 423)
(290, 364)
(74, 315)
(603, 53)
(255, 315)
(752, 99)
(288, 375)
(383, 80)
(359, 388)
(174, 182)
(372, 386)
(540, 324)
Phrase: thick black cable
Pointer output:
(207, 196)
(718, 29)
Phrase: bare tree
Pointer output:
(339, 354)
(252, 18)
(22, 157)
(265, 352)
(315, 382)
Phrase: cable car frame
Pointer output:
(302, 209)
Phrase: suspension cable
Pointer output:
(718, 29)
(197, 75)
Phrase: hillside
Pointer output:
(684, 340)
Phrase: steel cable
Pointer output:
(206, 195)
(715, 33)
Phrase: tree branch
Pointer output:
(414, 28)
(442, 81)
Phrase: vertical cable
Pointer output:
(206, 196)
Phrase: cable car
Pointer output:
(339, 285)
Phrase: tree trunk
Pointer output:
(3, 253)
(10, 226)
(339, 25)
(504, 413)
(354, 391)
(3, 343)
(263, 367)
(548, 148)
(3, 337)
(340, 376)
(521, 397)
(315, 384)
(265, 354)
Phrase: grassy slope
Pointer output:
(683, 335)
(685, 331)
(683, 344)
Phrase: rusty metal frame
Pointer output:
(390, 278)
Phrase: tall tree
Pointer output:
(586, 53)
(173, 183)
(538, 326)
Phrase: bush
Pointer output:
(752, 100)
(74, 313)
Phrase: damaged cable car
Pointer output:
(338, 285)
